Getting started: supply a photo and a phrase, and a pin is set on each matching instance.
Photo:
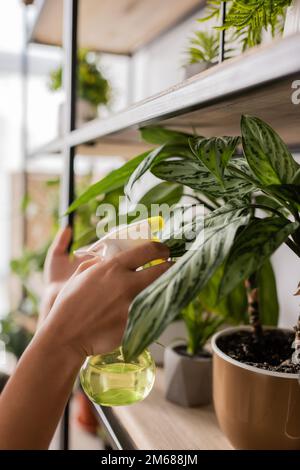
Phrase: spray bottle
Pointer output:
(107, 379)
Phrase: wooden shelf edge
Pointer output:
(255, 69)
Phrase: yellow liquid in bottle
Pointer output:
(109, 381)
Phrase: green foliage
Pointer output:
(160, 303)
(200, 326)
(215, 153)
(16, 329)
(236, 241)
(268, 301)
(257, 242)
(203, 47)
(92, 86)
(15, 337)
(267, 155)
(250, 18)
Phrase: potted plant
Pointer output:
(202, 53)
(93, 89)
(234, 188)
(188, 363)
(249, 20)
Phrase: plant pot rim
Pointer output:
(172, 346)
(220, 353)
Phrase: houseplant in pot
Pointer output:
(188, 367)
(202, 53)
(252, 207)
(249, 20)
(93, 89)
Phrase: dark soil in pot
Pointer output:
(181, 349)
(271, 351)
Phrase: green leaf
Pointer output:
(196, 176)
(163, 193)
(178, 239)
(114, 180)
(215, 153)
(155, 307)
(233, 307)
(267, 155)
(253, 247)
(153, 158)
(143, 167)
(289, 192)
(268, 300)
(160, 136)
(85, 239)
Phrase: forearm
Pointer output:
(34, 398)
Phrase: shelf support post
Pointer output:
(222, 33)
(70, 27)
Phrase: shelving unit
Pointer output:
(211, 101)
(120, 27)
(156, 424)
(258, 82)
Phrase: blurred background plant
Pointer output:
(92, 86)
(250, 19)
(18, 327)
(203, 47)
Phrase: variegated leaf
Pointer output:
(215, 153)
(194, 175)
(157, 306)
(267, 155)
(157, 155)
(253, 247)
(178, 239)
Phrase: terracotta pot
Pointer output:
(86, 413)
(188, 379)
(256, 409)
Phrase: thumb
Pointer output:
(61, 242)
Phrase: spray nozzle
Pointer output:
(123, 238)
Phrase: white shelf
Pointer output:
(118, 27)
(258, 82)
(156, 424)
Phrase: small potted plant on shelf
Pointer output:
(202, 53)
(188, 363)
(93, 89)
(249, 20)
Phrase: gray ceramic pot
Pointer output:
(194, 69)
(175, 331)
(188, 379)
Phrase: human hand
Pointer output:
(59, 267)
(90, 313)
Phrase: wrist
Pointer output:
(53, 344)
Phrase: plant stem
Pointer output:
(253, 304)
(293, 246)
(296, 355)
